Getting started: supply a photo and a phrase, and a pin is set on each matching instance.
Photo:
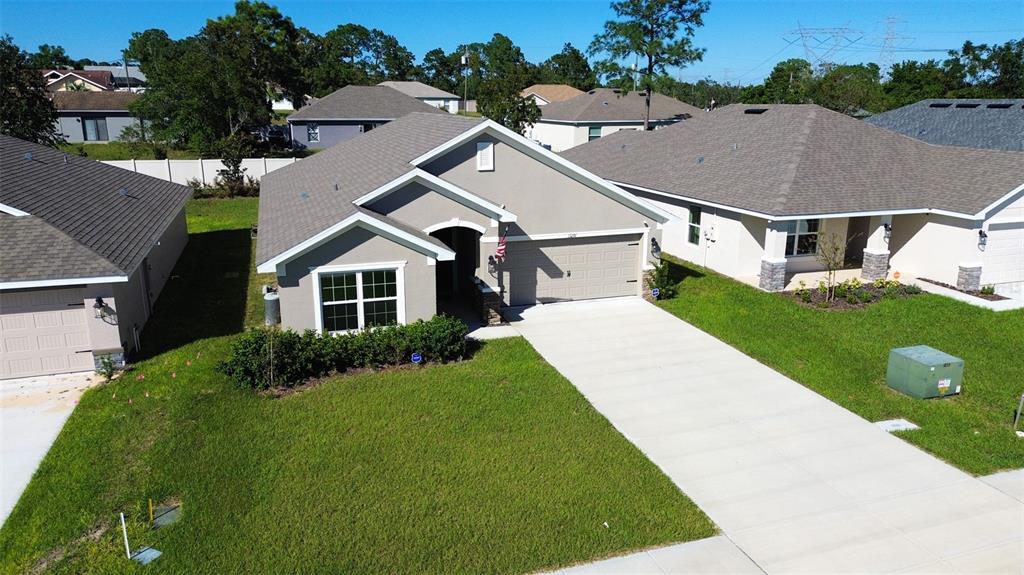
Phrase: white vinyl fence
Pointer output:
(205, 171)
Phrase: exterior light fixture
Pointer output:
(982, 237)
(655, 249)
(888, 230)
(99, 307)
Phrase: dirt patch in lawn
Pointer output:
(851, 294)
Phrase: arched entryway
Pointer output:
(456, 288)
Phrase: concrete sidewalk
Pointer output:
(798, 483)
(32, 413)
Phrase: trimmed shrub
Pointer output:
(661, 278)
(262, 358)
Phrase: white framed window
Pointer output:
(693, 226)
(356, 297)
(802, 237)
(313, 133)
(485, 156)
(593, 133)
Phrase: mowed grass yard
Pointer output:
(491, 465)
(843, 355)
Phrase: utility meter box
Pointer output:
(924, 372)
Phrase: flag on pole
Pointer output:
(499, 252)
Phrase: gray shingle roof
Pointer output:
(801, 159)
(89, 101)
(82, 200)
(35, 250)
(418, 90)
(363, 103)
(983, 124)
(305, 198)
(607, 105)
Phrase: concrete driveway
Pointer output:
(32, 413)
(798, 483)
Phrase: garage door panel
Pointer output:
(43, 332)
(1003, 264)
(570, 269)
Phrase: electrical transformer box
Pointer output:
(924, 372)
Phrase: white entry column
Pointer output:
(876, 252)
(773, 262)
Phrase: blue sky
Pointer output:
(744, 39)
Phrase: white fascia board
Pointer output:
(984, 212)
(102, 87)
(364, 221)
(63, 282)
(639, 122)
(13, 211)
(552, 160)
(446, 189)
(822, 216)
(566, 235)
(339, 119)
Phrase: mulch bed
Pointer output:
(815, 299)
(977, 294)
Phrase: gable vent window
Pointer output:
(313, 133)
(593, 133)
(485, 156)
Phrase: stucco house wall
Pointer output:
(331, 132)
(69, 124)
(358, 246)
(932, 246)
(423, 208)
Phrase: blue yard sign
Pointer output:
(417, 358)
(655, 292)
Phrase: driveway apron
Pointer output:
(798, 483)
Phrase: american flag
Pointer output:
(499, 252)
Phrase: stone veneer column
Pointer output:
(876, 251)
(968, 277)
(773, 262)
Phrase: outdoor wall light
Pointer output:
(982, 238)
(655, 249)
(99, 307)
(888, 230)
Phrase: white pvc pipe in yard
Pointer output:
(124, 530)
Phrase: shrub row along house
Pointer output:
(437, 212)
(87, 248)
(756, 189)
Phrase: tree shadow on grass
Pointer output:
(206, 295)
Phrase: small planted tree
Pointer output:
(831, 255)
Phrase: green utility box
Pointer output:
(923, 372)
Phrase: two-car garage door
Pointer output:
(43, 332)
(570, 269)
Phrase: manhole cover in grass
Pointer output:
(892, 425)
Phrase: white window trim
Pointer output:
(485, 156)
(313, 128)
(399, 268)
(796, 240)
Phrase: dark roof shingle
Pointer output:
(792, 160)
(93, 101)
(982, 124)
(608, 105)
(115, 214)
(363, 103)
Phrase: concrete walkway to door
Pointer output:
(798, 483)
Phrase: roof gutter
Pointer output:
(62, 282)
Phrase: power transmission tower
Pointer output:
(821, 44)
(891, 41)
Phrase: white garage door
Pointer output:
(43, 332)
(580, 268)
(1004, 259)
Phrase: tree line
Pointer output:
(208, 91)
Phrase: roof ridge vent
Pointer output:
(968, 105)
(1000, 105)
(940, 105)
(755, 110)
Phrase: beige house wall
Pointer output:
(933, 246)
(422, 208)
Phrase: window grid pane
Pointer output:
(378, 313)
(340, 317)
(695, 216)
(378, 284)
(694, 235)
(338, 287)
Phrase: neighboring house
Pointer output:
(427, 94)
(759, 188)
(78, 80)
(982, 124)
(128, 78)
(93, 117)
(544, 94)
(601, 112)
(405, 221)
(348, 112)
(87, 248)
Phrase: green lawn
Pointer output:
(842, 355)
(494, 464)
